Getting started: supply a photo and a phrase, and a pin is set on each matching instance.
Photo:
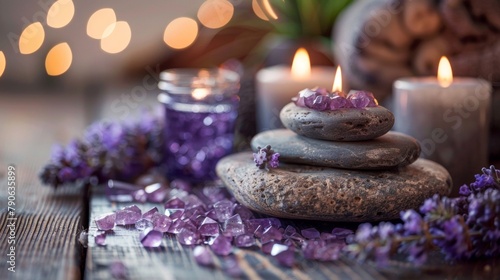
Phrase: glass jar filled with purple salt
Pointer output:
(200, 109)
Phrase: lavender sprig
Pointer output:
(266, 157)
(108, 150)
(465, 227)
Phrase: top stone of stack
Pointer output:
(345, 124)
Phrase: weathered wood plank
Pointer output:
(174, 261)
(47, 227)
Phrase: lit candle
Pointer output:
(449, 117)
(278, 84)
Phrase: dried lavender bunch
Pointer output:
(266, 157)
(108, 150)
(465, 227)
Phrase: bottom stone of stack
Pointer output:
(320, 193)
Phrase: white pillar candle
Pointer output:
(277, 85)
(451, 122)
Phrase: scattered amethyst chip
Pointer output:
(174, 202)
(234, 226)
(188, 237)
(148, 215)
(244, 240)
(100, 239)
(144, 224)
(151, 238)
(106, 221)
(286, 258)
(223, 210)
(310, 233)
(128, 215)
(271, 234)
(203, 256)
(161, 222)
(221, 246)
(209, 227)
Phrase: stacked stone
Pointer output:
(335, 165)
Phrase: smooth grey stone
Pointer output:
(322, 193)
(387, 151)
(338, 125)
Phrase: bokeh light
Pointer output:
(3, 63)
(58, 59)
(60, 13)
(180, 33)
(31, 38)
(116, 37)
(215, 13)
(269, 10)
(99, 22)
(258, 10)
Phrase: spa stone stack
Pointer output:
(339, 165)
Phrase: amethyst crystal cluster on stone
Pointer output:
(320, 99)
(336, 164)
(215, 224)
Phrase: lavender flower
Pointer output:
(107, 151)
(463, 227)
(266, 157)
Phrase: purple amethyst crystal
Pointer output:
(342, 233)
(174, 213)
(271, 234)
(176, 226)
(174, 202)
(289, 230)
(156, 193)
(192, 201)
(188, 237)
(106, 221)
(231, 267)
(144, 224)
(321, 103)
(244, 212)
(223, 210)
(362, 99)
(148, 215)
(100, 239)
(221, 246)
(161, 222)
(151, 238)
(310, 233)
(128, 215)
(209, 227)
(286, 258)
(234, 226)
(244, 240)
(203, 256)
(339, 102)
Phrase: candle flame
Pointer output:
(301, 65)
(200, 93)
(337, 82)
(445, 74)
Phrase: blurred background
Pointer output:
(67, 63)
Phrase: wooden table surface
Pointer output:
(49, 222)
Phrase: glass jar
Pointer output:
(200, 110)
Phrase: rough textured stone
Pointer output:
(338, 125)
(321, 193)
(387, 151)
